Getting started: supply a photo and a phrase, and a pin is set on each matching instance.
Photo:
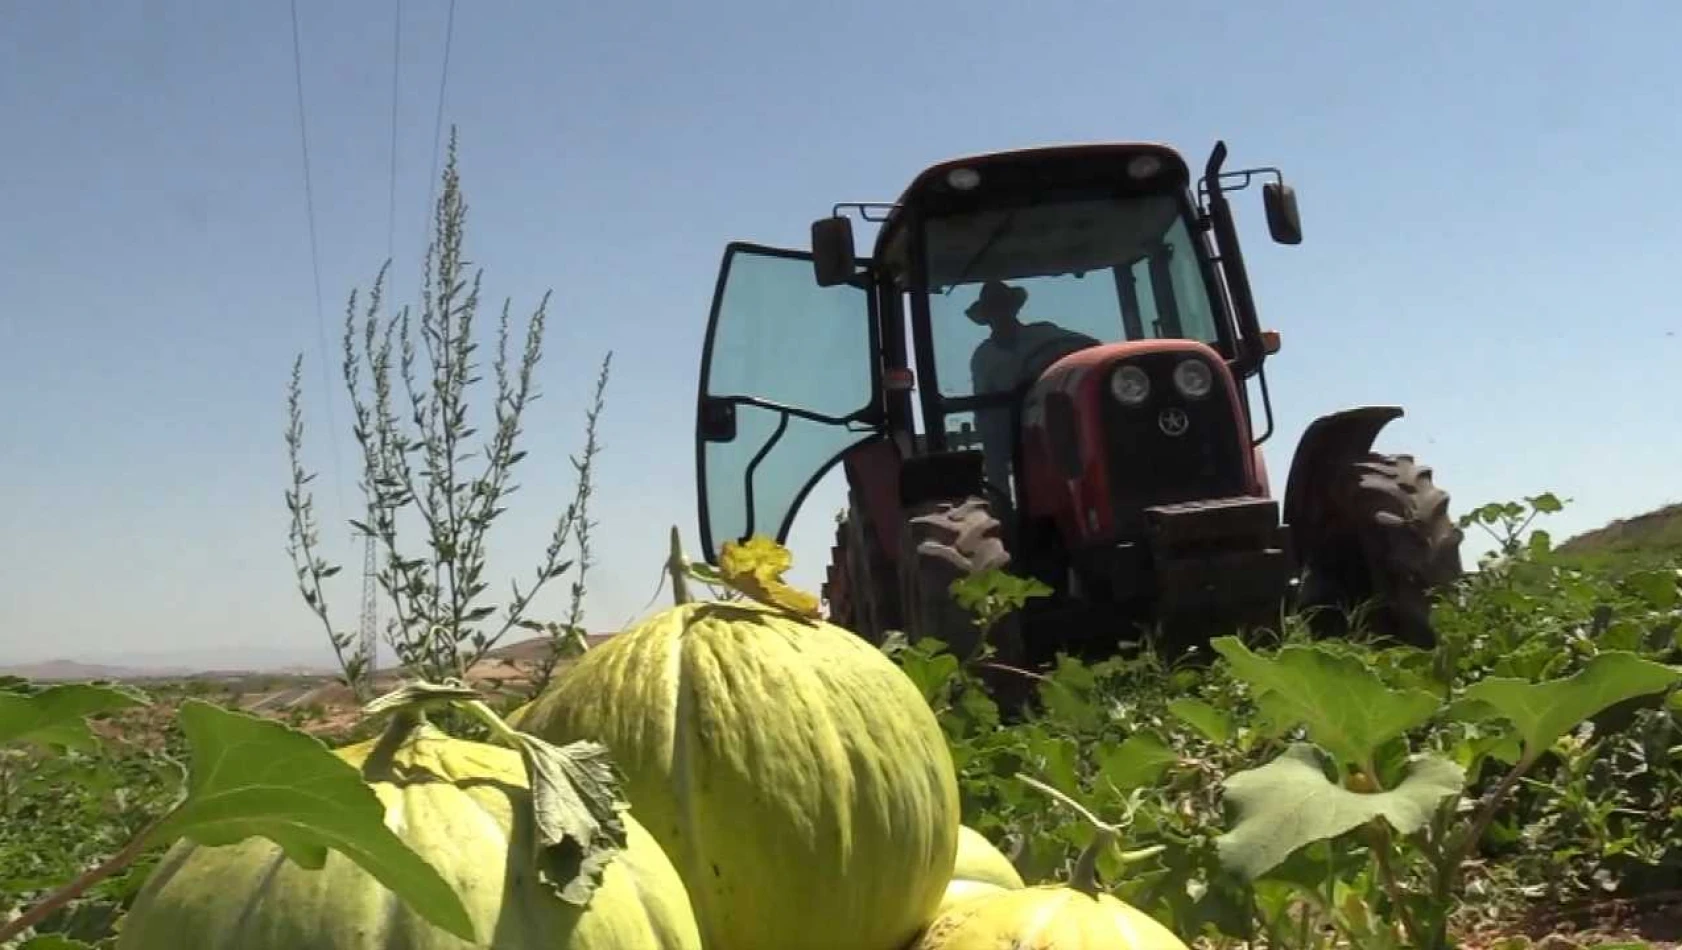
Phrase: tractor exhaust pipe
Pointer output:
(1252, 348)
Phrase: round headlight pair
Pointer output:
(1131, 387)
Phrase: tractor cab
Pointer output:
(985, 273)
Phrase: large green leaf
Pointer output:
(1345, 707)
(56, 715)
(1289, 803)
(254, 776)
(1542, 712)
(1137, 762)
(1658, 588)
(1206, 719)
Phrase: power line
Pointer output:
(315, 255)
(396, 74)
(438, 120)
(369, 621)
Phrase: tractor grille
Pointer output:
(1148, 467)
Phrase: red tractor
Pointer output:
(1045, 366)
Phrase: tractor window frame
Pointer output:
(907, 276)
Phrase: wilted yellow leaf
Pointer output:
(756, 567)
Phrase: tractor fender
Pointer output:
(1329, 442)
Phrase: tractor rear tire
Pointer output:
(944, 542)
(860, 589)
(1395, 546)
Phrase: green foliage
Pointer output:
(992, 595)
(54, 716)
(1376, 796)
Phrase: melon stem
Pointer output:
(1085, 875)
(404, 721)
(677, 568)
(1084, 878)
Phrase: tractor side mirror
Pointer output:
(832, 251)
(1283, 221)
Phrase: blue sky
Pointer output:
(1485, 193)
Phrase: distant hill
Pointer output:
(506, 660)
(1644, 541)
(59, 670)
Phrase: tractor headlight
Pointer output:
(1193, 378)
(1130, 386)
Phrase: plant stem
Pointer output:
(1455, 853)
(499, 728)
(1379, 839)
(1468, 843)
(1392, 886)
(1003, 668)
(677, 568)
(87, 879)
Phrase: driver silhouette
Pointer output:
(1013, 354)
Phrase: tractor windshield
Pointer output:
(1013, 289)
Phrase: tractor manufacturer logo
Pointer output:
(1173, 421)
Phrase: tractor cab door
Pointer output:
(788, 384)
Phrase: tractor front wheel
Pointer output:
(1392, 546)
(944, 542)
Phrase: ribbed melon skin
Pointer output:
(1046, 916)
(470, 820)
(797, 778)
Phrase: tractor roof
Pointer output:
(1040, 170)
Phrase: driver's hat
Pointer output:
(996, 295)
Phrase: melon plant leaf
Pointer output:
(55, 716)
(1136, 763)
(251, 776)
(1289, 803)
(1659, 589)
(576, 802)
(1206, 719)
(928, 666)
(1542, 712)
(1345, 707)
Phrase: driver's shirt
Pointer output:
(1000, 366)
